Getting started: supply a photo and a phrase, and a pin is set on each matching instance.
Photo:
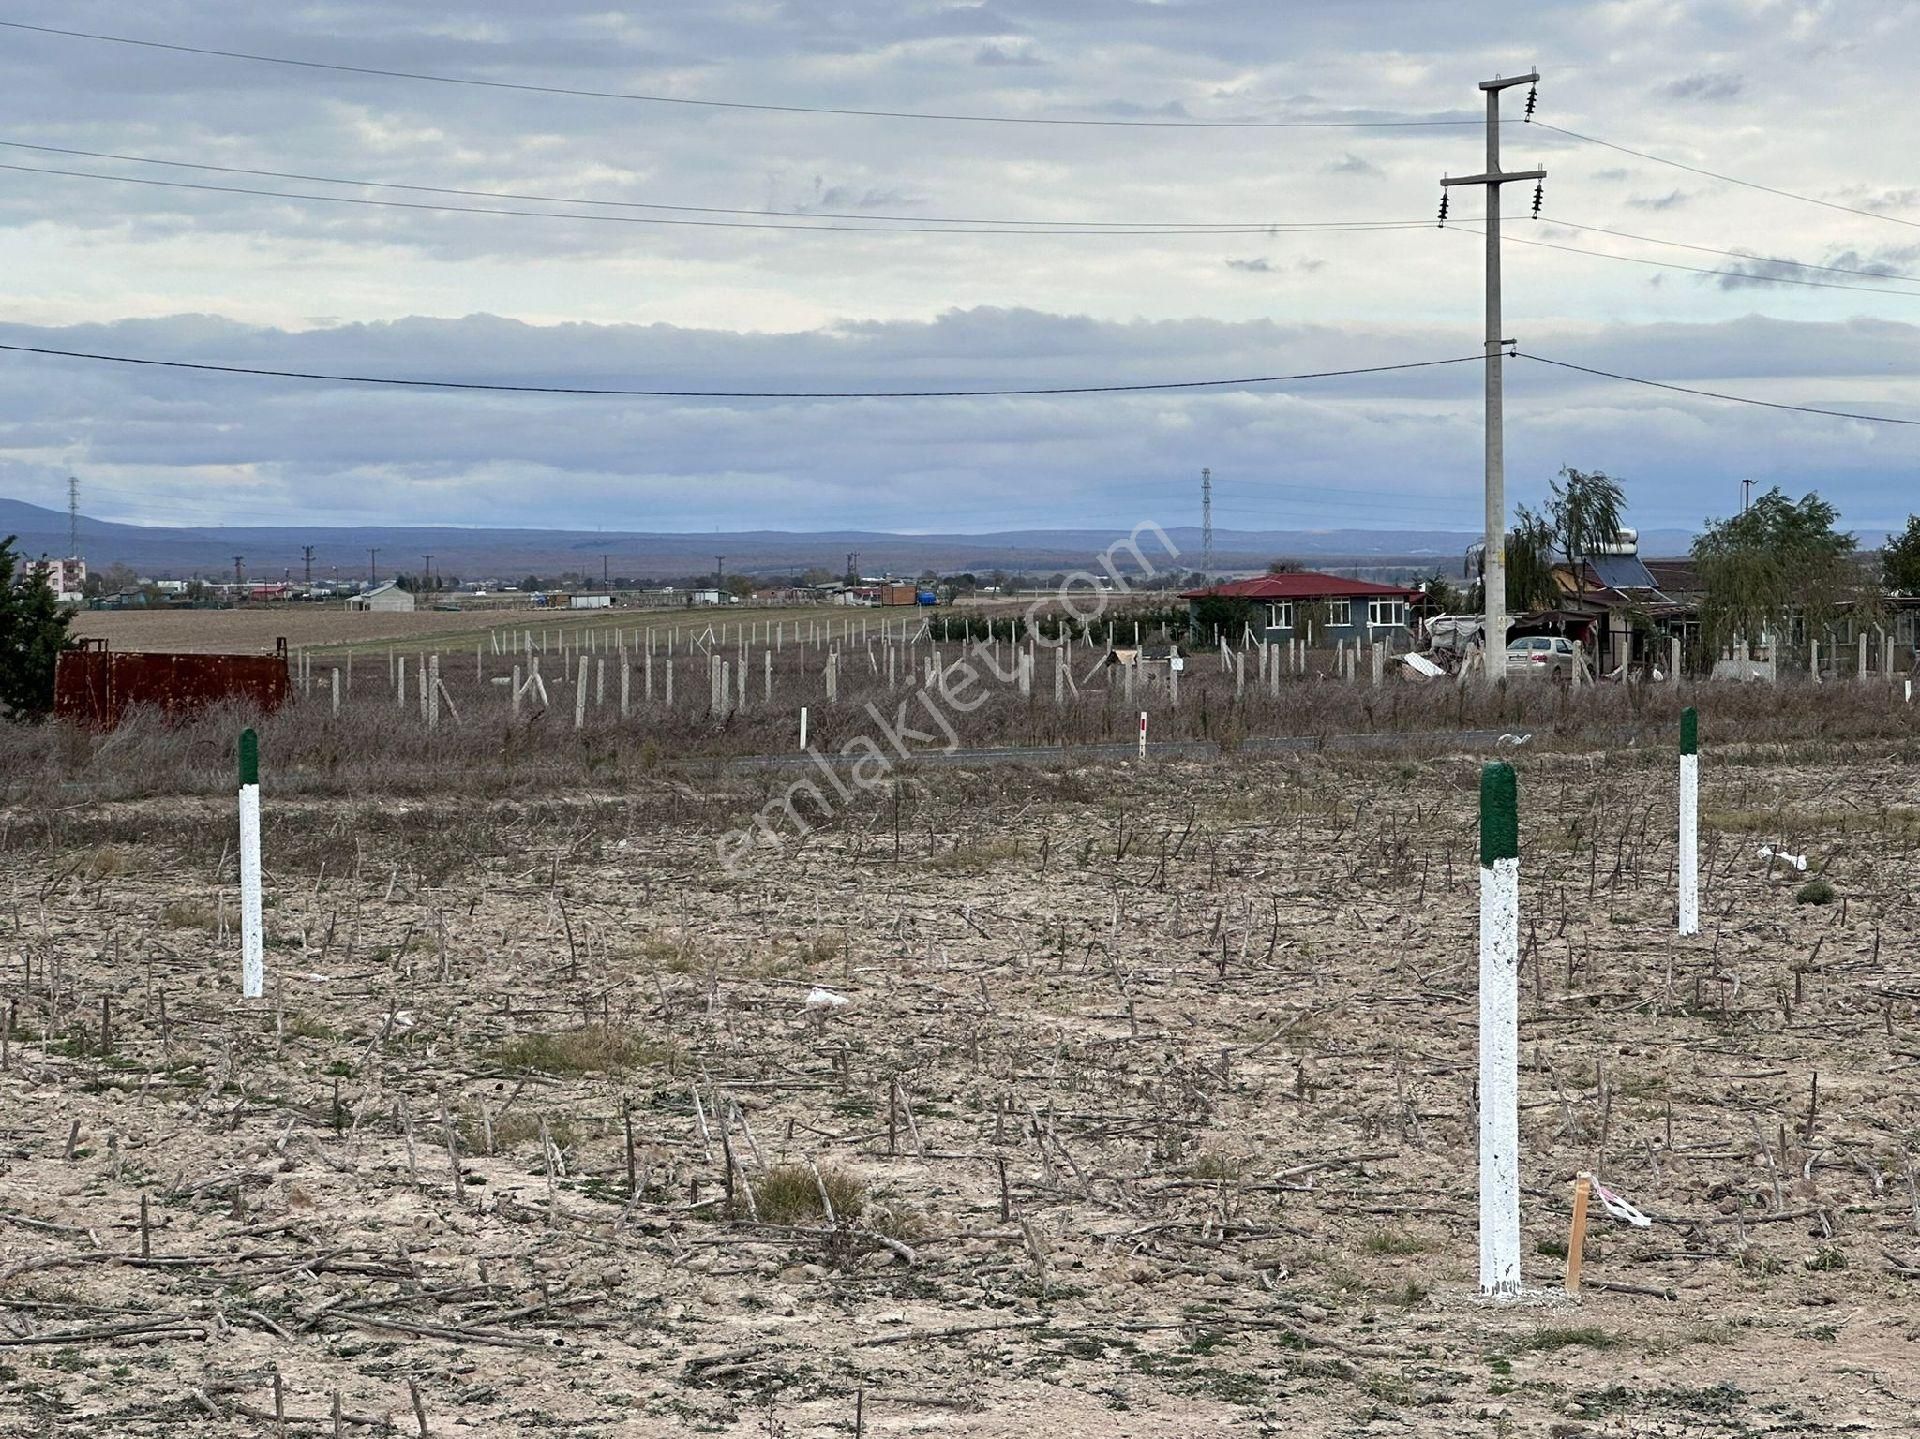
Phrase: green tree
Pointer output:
(1446, 597)
(1776, 561)
(1900, 560)
(1585, 508)
(1530, 548)
(33, 632)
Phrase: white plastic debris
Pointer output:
(826, 999)
(1619, 1208)
(1421, 665)
(1516, 740)
(1793, 861)
(402, 1019)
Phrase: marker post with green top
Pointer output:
(1689, 862)
(1499, 1032)
(253, 961)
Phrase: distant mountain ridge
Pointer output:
(508, 554)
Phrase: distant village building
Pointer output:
(385, 599)
(66, 578)
(1305, 604)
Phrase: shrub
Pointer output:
(1814, 891)
(787, 1194)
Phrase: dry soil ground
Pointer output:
(1150, 1113)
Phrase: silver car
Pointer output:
(1548, 656)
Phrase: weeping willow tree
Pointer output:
(1775, 562)
(1585, 510)
(1530, 548)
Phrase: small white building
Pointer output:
(386, 599)
(590, 602)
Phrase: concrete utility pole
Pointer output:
(1494, 652)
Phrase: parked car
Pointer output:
(1541, 655)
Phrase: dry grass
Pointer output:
(596, 1049)
(787, 1194)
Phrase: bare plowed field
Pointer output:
(1149, 1110)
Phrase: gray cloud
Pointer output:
(1004, 55)
(1352, 164)
(238, 279)
(1705, 85)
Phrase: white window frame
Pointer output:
(1339, 614)
(1395, 611)
(1280, 615)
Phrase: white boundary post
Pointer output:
(1689, 863)
(803, 727)
(253, 961)
(1143, 734)
(1499, 1033)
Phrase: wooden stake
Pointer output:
(1577, 1236)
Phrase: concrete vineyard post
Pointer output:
(1673, 661)
(1499, 1032)
(803, 728)
(336, 693)
(253, 961)
(1143, 734)
(1689, 865)
(579, 692)
(516, 692)
(432, 695)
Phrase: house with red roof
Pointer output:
(1303, 604)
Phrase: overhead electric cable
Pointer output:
(1740, 275)
(1345, 226)
(1197, 226)
(651, 99)
(1729, 179)
(423, 384)
(1870, 274)
(1712, 394)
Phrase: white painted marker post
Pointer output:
(803, 727)
(253, 961)
(1689, 821)
(1143, 734)
(1499, 1033)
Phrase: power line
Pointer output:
(1183, 226)
(1698, 269)
(924, 229)
(1713, 394)
(650, 99)
(1730, 179)
(421, 384)
(1876, 274)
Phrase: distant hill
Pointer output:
(508, 554)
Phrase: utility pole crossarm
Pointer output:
(1532, 77)
(1499, 179)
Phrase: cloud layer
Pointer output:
(316, 284)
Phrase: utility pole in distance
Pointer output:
(306, 553)
(239, 577)
(1494, 650)
(426, 582)
(373, 572)
(720, 575)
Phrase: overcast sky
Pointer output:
(1807, 97)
